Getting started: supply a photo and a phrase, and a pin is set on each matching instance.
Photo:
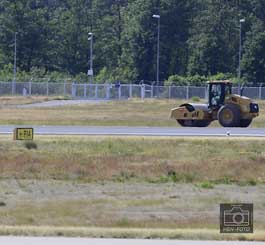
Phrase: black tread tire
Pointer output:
(235, 121)
(244, 123)
(194, 123)
(186, 123)
(202, 123)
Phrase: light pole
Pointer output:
(240, 52)
(15, 66)
(90, 71)
(156, 16)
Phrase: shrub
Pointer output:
(195, 99)
(30, 145)
(206, 185)
(197, 80)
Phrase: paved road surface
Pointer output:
(86, 241)
(56, 103)
(140, 131)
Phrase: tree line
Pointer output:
(199, 39)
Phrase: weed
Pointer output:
(252, 182)
(30, 145)
(124, 222)
(249, 182)
(189, 177)
(124, 176)
(173, 176)
(225, 180)
(206, 185)
(2, 204)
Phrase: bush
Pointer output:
(176, 80)
(195, 99)
(30, 145)
(2, 204)
(222, 76)
(197, 80)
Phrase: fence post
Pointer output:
(64, 88)
(30, 88)
(130, 90)
(47, 88)
(206, 94)
(107, 91)
(73, 90)
(187, 92)
(260, 92)
(169, 92)
(152, 90)
(96, 91)
(119, 92)
(85, 89)
(142, 91)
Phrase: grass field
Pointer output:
(114, 113)
(147, 187)
(158, 160)
(143, 159)
(124, 182)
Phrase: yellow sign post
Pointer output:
(23, 133)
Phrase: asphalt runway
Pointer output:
(140, 131)
(85, 241)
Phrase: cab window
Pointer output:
(216, 94)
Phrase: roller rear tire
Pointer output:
(244, 123)
(229, 116)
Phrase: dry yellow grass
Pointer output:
(129, 183)
(115, 113)
(147, 159)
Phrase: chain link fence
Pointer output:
(114, 91)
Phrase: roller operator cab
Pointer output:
(231, 110)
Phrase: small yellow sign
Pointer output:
(23, 133)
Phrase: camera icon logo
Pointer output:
(236, 218)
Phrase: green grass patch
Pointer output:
(206, 185)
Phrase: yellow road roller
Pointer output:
(231, 110)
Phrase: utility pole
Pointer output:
(15, 66)
(90, 71)
(240, 53)
(156, 16)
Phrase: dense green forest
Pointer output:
(198, 39)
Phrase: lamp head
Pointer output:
(156, 16)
